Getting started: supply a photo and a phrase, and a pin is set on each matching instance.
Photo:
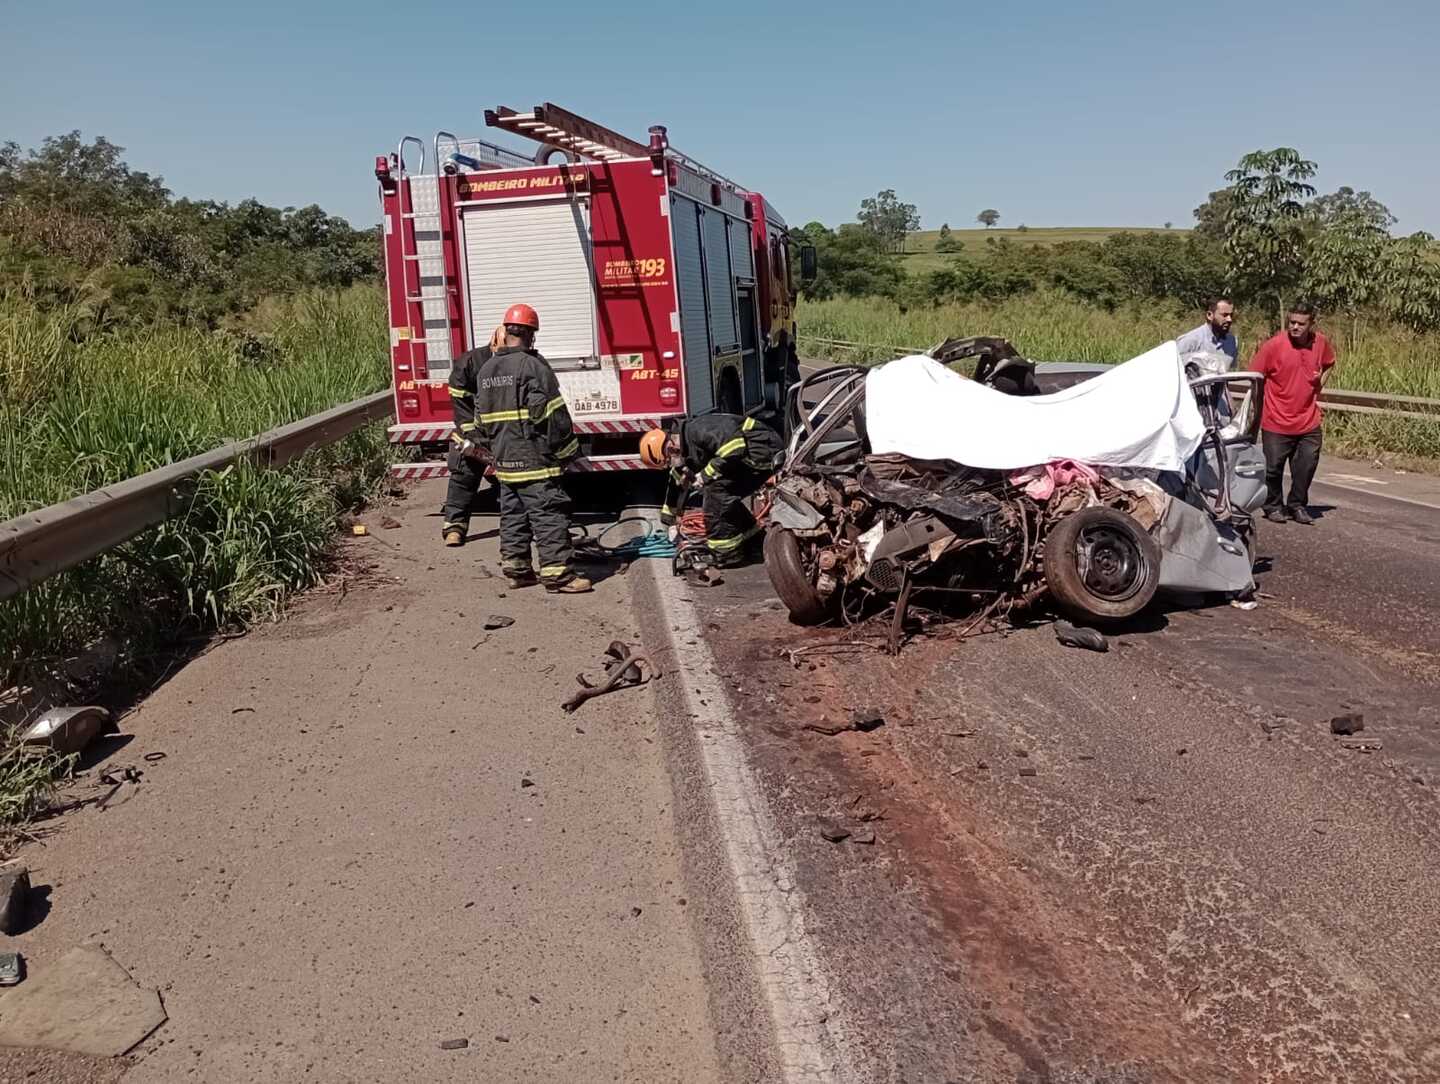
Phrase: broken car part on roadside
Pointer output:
(622, 670)
(1085, 486)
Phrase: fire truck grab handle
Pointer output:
(400, 154)
(454, 142)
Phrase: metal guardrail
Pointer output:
(1356, 402)
(50, 540)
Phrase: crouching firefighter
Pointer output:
(522, 421)
(728, 457)
(466, 459)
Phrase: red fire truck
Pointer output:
(663, 287)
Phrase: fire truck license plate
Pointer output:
(595, 403)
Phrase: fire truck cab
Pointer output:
(663, 288)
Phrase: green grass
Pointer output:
(1053, 326)
(920, 255)
(81, 409)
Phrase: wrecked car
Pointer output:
(1088, 487)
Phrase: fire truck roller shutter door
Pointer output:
(742, 251)
(539, 252)
(690, 289)
(719, 280)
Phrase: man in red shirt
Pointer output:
(1296, 363)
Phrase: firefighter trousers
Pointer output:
(537, 512)
(465, 478)
(728, 522)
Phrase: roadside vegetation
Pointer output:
(137, 330)
(1265, 239)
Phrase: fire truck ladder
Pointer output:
(427, 293)
(559, 127)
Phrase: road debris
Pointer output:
(390, 523)
(359, 530)
(67, 730)
(1362, 745)
(1074, 636)
(118, 794)
(861, 721)
(497, 621)
(1027, 772)
(867, 720)
(12, 968)
(623, 669)
(1244, 604)
(454, 1044)
(14, 897)
(85, 1003)
(1350, 723)
(833, 832)
(865, 836)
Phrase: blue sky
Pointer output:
(1055, 113)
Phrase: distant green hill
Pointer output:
(920, 254)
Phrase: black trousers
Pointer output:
(1302, 452)
(728, 522)
(537, 512)
(465, 478)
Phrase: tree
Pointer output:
(888, 219)
(1347, 205)
(1343, 258)
(1409, 287)
(988, 217)
(1168, 225)
(851, 262)
(946, 241)
(1210, 215)
(1264, 225)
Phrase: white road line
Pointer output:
(1361, 479)
(1372, 493)
(814, 1045)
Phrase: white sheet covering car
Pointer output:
(918, 408)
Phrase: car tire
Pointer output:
(1101, 565)
(792, 583)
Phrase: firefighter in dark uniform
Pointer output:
(467, 469)
(523, 425)
(729, 457)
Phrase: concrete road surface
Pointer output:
(373, 830)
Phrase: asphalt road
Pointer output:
(1155, 864)
(1152, 864)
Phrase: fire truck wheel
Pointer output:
(792, 583)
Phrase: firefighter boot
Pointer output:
(454, 536)
(517, 576)
(575, 585)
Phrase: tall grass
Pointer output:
(80, 410)
(1053, 326)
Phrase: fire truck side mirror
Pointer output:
(809, 264)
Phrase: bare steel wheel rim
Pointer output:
(1112, 565)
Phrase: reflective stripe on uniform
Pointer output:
(503, 416)
(729, 448)
(537, 475)
(722, 545)
(459, 393)
(551, 572)
(749, 425)
(466, 427)
(552, 406)
(571, 447)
